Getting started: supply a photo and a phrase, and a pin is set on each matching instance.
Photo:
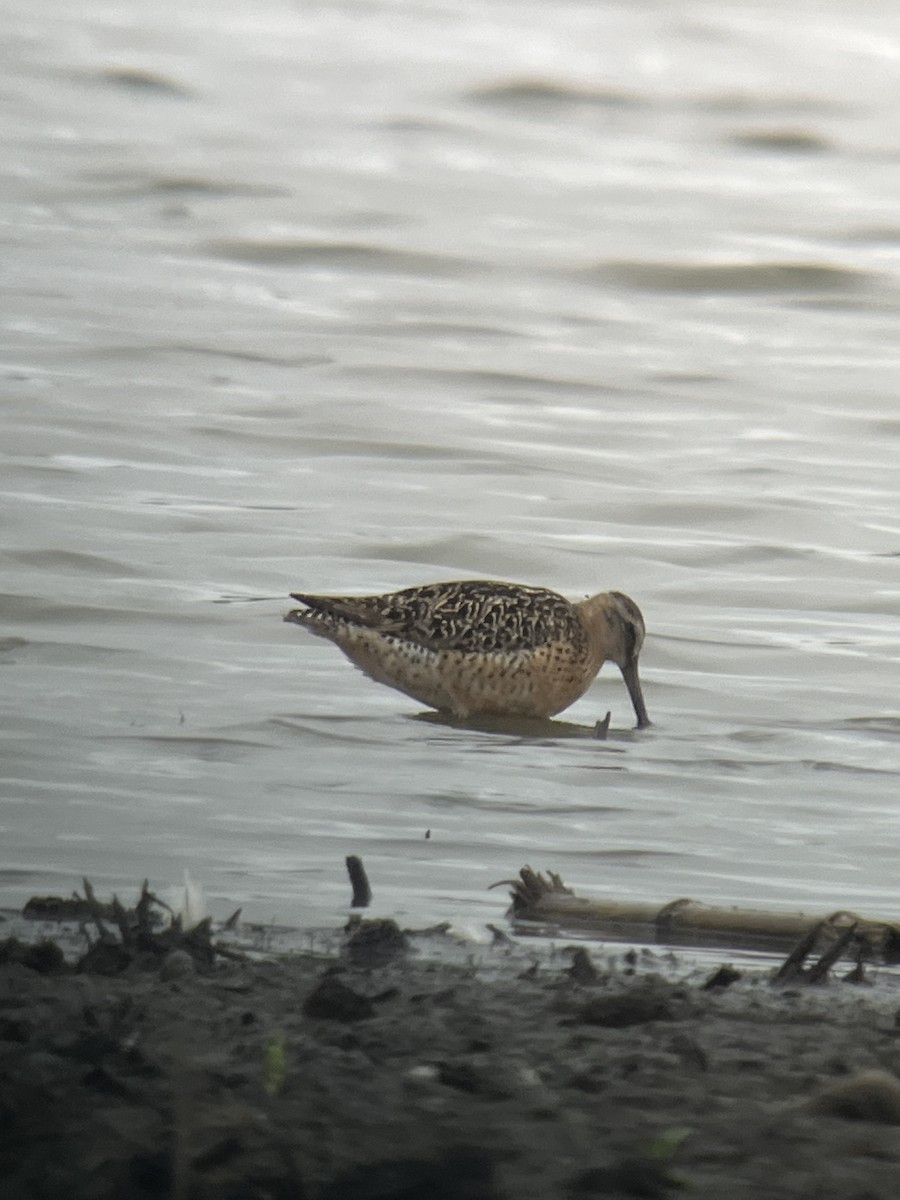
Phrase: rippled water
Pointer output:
(352, 296)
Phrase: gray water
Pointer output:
(348, 296)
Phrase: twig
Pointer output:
(362, 892)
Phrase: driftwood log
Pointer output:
(544, 900)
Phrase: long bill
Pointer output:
(633, 683)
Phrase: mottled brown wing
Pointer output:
(472, 615)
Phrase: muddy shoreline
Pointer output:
(382, 1071)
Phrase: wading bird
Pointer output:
(479, 647)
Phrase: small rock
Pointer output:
(375, 943)
(868, 1096)
(176, 965)
(723, 978)
(44, 957)
(494, 1078)
(587, 1081)
(334, 1001)
(468, 1076)
(582, 969)
(636, 1006)
(423, 1075)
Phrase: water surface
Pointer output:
(352, 297)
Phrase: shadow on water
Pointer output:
(520, 727)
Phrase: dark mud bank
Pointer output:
(382, 1076)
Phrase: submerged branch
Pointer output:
(545, 900)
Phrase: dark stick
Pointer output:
(362, 893)
(819, 971)
(792, 967)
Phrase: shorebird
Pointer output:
(479, 647)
